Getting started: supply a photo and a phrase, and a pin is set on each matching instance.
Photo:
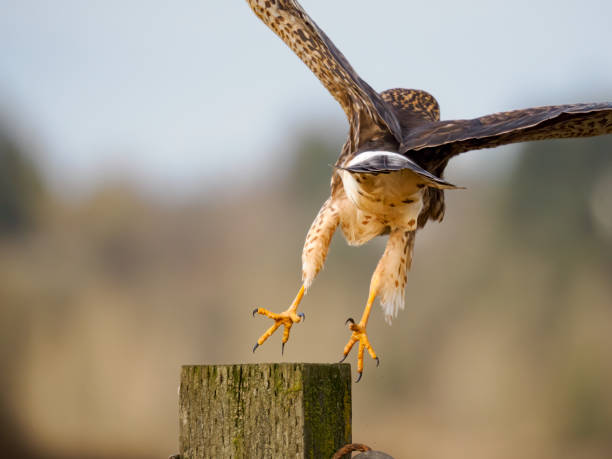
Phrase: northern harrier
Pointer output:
(388, 178)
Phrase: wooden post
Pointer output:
(268, 410)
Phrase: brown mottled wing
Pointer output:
(434, 144)
(368, 114)
(414, 108)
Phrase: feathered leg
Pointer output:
(388, 282)
(313, 257)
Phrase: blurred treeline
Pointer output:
(503, 350)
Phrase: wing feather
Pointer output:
(366, 111)
(435, 143)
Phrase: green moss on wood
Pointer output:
(264, 410)
(328, 416)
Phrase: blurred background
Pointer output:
(161, 162)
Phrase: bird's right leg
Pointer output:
(313, 257)
(388, 283)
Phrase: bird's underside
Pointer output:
(388, 177)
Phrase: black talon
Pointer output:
(358, 378)
(255, 347)
(255, 311)
(302, 315)
(343, 358)
(377, 361)
(283, 349)
(350, 319)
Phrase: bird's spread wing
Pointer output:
(368, 114)
(435, 143)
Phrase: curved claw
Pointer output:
(350, 319)
(359, 377)
(255, 311)
(343, 358)
(283, 349)
(302, 315)
(377, 361)
(255, 347)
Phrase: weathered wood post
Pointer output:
(297, 410)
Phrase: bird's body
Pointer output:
(380, 202)
(388, 177)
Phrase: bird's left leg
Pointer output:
(388, 282)
(313, 256)
(286, 318)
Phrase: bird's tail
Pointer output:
(384, 162)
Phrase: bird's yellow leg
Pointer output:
(360, 334)
(286, 318)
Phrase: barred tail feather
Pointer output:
(385, 162)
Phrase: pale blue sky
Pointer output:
(174, 94)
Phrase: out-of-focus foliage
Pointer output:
(558, 197)
(311, 170)
(502, 351)
(560, 210)
(20, 187)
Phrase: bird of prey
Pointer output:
(388, 179)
